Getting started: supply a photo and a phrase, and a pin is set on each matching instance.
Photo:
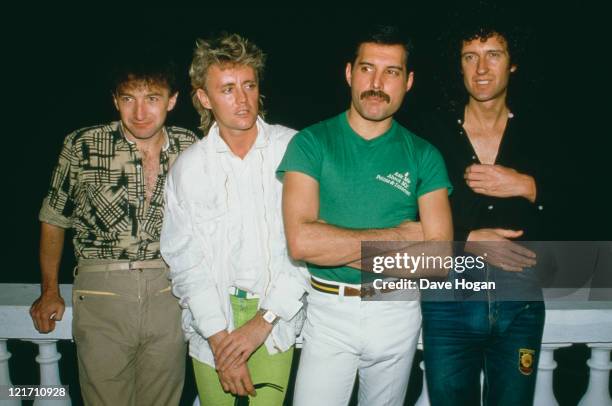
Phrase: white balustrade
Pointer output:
(423, 399)
(15, 323)
(5, 378)
(48, 359)
(544, 395)
(600, 366)
(579, 322)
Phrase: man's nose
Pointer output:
(241, 96)
(377, 81)
(483, 65)
(140, 110)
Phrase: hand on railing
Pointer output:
(46, 310)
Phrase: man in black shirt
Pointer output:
(497, 199)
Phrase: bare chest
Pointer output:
(485, 143)
(150, 165)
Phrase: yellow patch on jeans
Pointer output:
(526, 361)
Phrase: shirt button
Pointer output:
(540, 207)
(81, 297)
(474, 157)
(490, 207)
(141, 198)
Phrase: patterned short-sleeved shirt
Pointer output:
(98, 188)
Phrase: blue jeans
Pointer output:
(462, 338)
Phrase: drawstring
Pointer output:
(267, 230)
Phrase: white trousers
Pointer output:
(344, 336)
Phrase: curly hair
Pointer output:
(225, 50)
(148, 66)
(481, 24)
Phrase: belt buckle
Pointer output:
(132, 266)
(367, 291)
(239, 293)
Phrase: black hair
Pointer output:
(478, 26)
(485, 30)
(151, 65)
(383, 35)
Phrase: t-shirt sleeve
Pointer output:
(303, 155)
(432, 172)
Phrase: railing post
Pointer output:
(5, 377)
(423, 399)
(48, 358)
(544, 394)
(597, 393)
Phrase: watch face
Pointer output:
(270, 317)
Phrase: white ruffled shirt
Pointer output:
(223, 227)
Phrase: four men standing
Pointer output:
(224, 230)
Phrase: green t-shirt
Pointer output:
(364, 183)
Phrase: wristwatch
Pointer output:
(269, 316)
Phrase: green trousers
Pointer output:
(264, 368)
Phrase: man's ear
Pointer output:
(348, 73)
(513, 68)
(172, 101)
(410, 81)
(203, 98)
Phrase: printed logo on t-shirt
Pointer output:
(400, 181)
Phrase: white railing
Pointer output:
(566, 323)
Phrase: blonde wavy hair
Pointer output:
(226, 50)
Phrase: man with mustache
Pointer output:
(360, 176)
(108, 186)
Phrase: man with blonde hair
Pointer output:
(223, 234)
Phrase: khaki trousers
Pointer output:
(127, 329)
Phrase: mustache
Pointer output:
(376, 93)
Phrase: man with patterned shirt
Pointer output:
(108, 186)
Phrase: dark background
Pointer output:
(55, 64)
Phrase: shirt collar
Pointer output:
(164, 132)
(460, 117)
(261, 141)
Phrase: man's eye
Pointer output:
(393, 72)
(153, 99)
(251, 86)
(227, 90)
(126, 99)
(495, 54)
(365, 68)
